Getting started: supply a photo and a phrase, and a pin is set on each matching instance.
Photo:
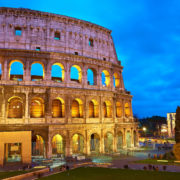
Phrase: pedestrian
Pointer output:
(67, 168)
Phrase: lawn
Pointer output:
(154, 161)
(112, 174)
(10, 174)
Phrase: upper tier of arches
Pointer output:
(74, 74)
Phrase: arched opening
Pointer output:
(0, 71)
(57, 35)
(77, 144)
(16, 70)
(15, 107)
(107, 109)
(128, 139)
(119, 141)
(118, 109)
(127, 109)
(76, 74)
(57, 72)
(37, 72)
(95, 143)
(135, 139)
(91, 77)
(58, 145)
(58, 108)
(38, 146)
(93, 109)
(77, 108)
(37, 108)
(108, 143)
(116, 80)
(105, 78)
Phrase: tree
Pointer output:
(177, 127)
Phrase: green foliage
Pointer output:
(169, 156)
(177, 127)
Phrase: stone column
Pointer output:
(68, 144)
(47, 72)
(48, 147)
(27, 107)
(115, 141)
(102, 142)
(132, 137)
(5, 71)
(3, 108)
(87, 143)
(27, 71)
(114, 109)
(124, 138)
(121, 82)
(101, 115)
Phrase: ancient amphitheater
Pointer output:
(61, 80)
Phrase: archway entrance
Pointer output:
(94, 143)
(119, 141)
(38, 146)
(128, 139)
(77, 144)
(58, 145)
(108, 143)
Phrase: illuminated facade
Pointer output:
(171, 118)
(51, 93)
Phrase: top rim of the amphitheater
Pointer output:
(57, 15)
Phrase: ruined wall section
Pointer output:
(38, 30)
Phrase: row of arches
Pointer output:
(16, 72)
(58, 143)
(37, 108)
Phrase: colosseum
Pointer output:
(61, 81)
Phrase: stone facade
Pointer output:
(50, 39)
(22, 137)
(171, 118)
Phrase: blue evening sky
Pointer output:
(146, 34)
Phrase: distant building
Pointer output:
(171, 117)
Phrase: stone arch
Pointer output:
(76, 73)
(105, 78)
(118, 109)
(91, 76)
(93, 109)
(94, 143)
(107, 106)
(16, 70)
(37, 71)
(58, 108)
(38, 146)
(37, 107)
(58, 144)
(77, 143)
(77, 108)
(57, 72)
(15, 107)
(108, 142)
(127, 109)
(116, 80)
(119, 141)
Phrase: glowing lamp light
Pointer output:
(144, 128)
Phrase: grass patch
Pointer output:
(154, 161)
(88, 173)
(10, 174)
